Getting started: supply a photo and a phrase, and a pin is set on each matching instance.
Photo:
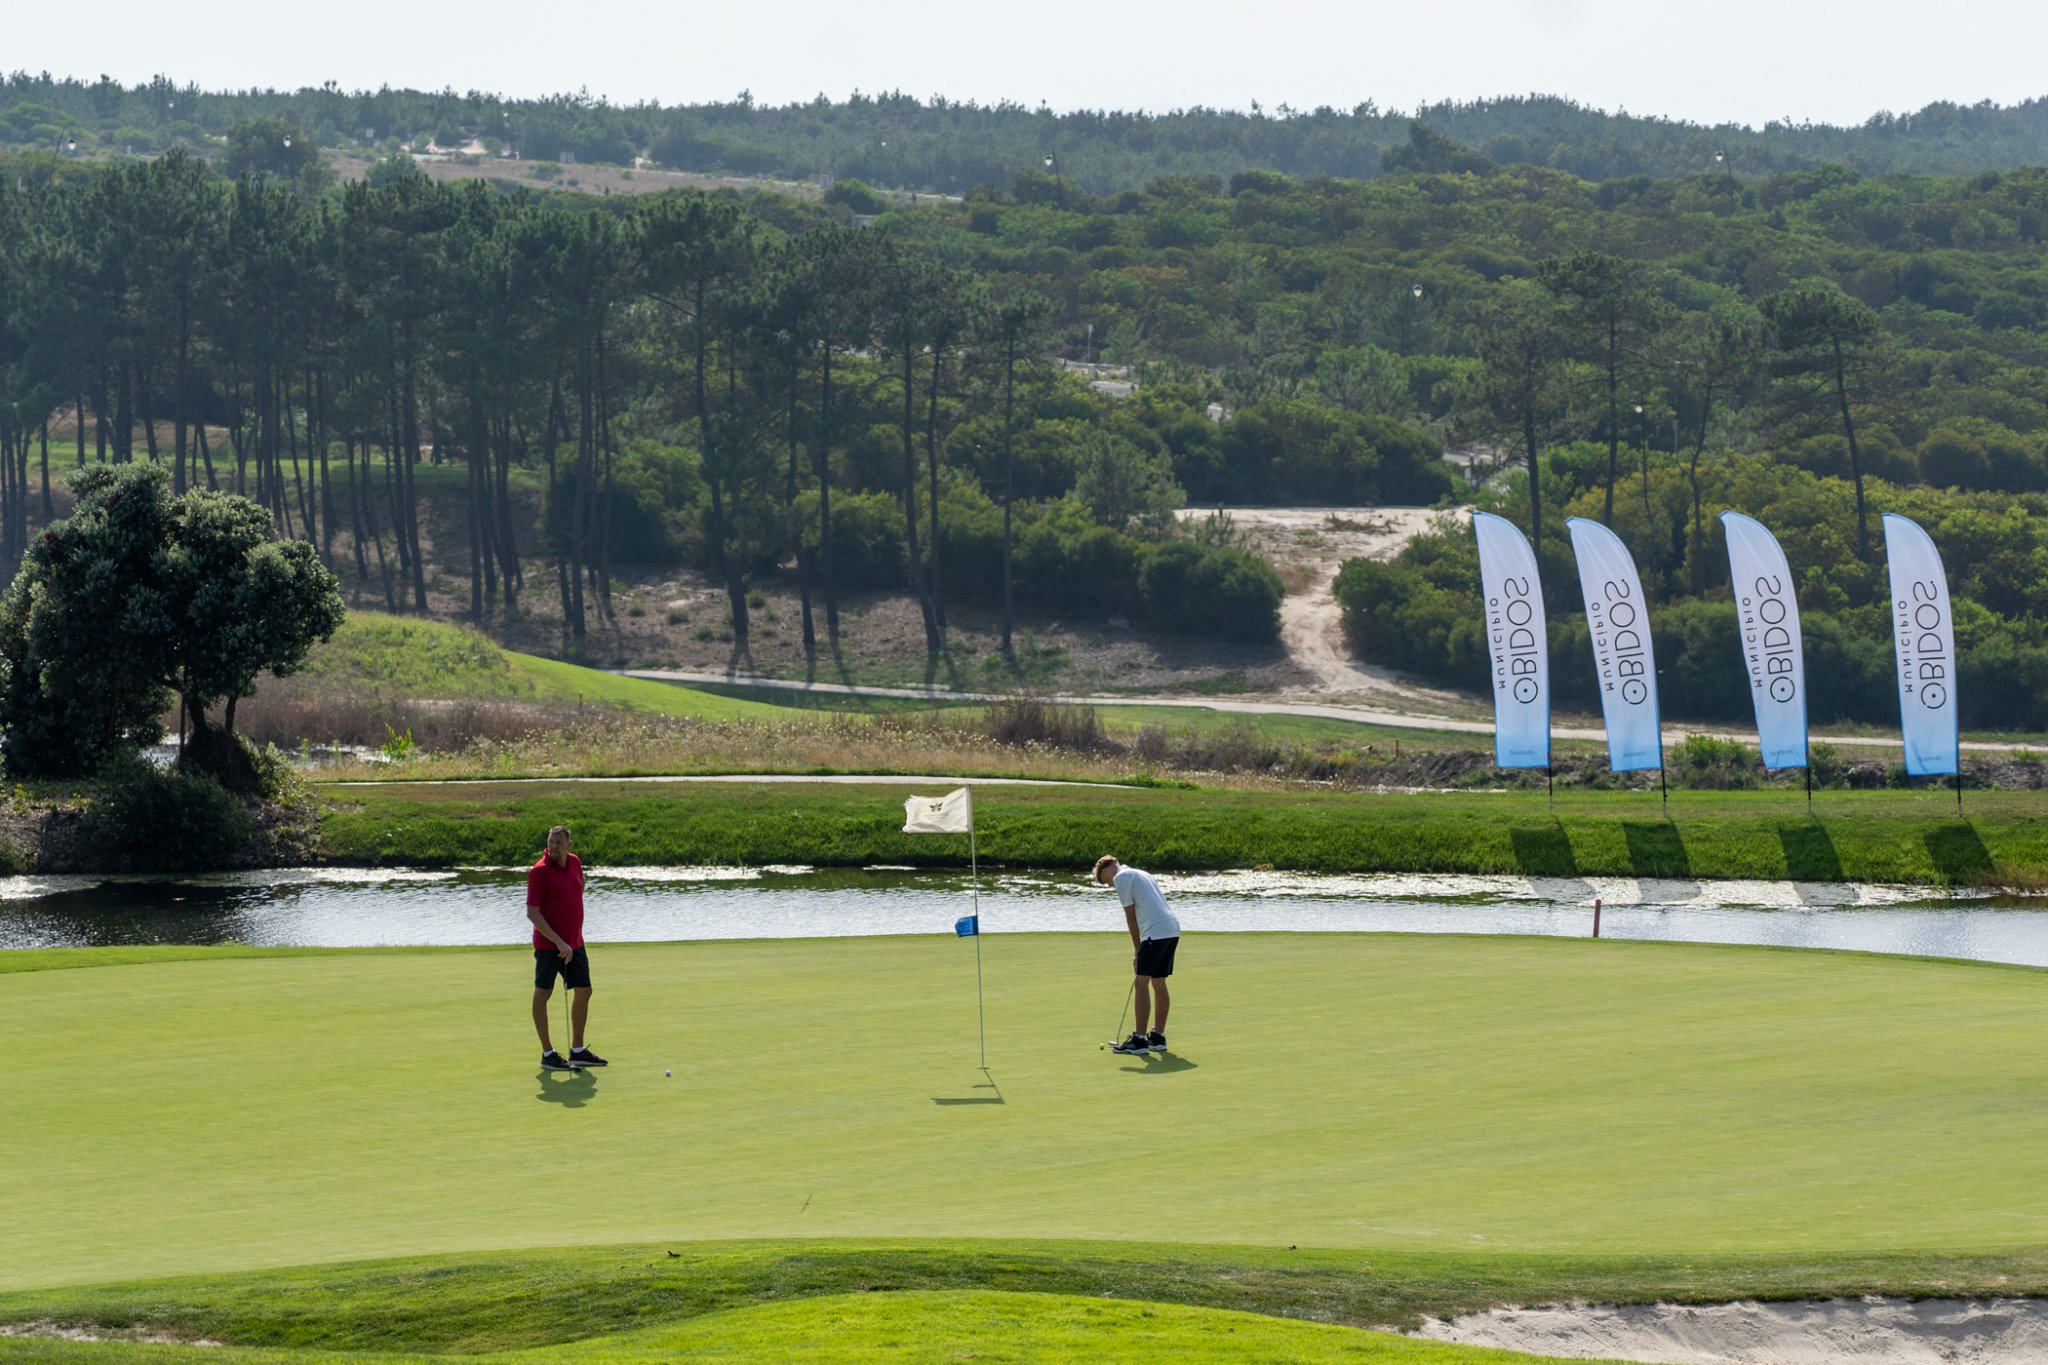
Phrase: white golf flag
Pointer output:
(1618, 619)
(1767, 609)
(1515, 642)
(952, 813)
(1924, 640)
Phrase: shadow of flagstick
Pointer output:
(989, 1084)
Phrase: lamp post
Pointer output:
(1408, 307)
(1052, 163)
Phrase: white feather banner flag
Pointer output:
(1515, 642)
(1624, 664)
(1924, 643)
(1767, 608)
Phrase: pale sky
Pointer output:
(1747, 61)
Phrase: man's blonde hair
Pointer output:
(1105, 860)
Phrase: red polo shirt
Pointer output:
(558, 891)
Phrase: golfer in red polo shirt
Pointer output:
(554, 902)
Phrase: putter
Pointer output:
(568, 1023)
(1118, 1037)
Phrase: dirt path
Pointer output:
(1309, 545)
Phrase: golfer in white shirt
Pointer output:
(1155, 933)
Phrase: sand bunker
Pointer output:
(1893, 1331)
(46, 1330)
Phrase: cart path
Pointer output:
(1673, 734)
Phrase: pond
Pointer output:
(346, 907)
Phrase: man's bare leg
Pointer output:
(1143, 1000)
(540, 1017)
(1160, 1001)
(579, 1010)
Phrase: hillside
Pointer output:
(939, 144)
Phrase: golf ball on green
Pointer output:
(668, 1073)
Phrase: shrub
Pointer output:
(1028, 720)
(1715, 764)
(1219, 590)
(867, 539)
(143, 818)
(857, 197)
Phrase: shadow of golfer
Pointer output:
(570, 1089)
(1160, 1064)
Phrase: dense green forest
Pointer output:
(903, 142)
(683, 381)
(739, 382)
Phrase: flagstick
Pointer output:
(974, 885)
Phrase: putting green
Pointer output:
(217, 1112)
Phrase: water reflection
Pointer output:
(343, 907)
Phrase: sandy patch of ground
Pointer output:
(42, 1329)
(1308, 545)
(1890, 1331)
(590, 178)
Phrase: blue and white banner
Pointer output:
(1767, 608)
(1924, 639)
(1618, 619)
(1515, 642)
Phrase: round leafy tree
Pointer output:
(140, 597)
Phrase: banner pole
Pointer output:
(974, 887)
(1959, 789)
(1664, 787)
(1550, 787)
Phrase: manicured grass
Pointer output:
(863, 1329)
(467, 1305)
(914, 1326)
(1284, 728)
(409, 657)
(1125, 720)
(552, 680)
(1503, 1099)
(1909, 836)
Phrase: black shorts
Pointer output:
(575, 973)
(1155, 956)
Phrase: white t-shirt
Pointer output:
(1137, 891)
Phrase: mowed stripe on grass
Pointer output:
(1501, 1095)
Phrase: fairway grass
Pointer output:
(1490, 1098)
(414, 658)
(1888, 836)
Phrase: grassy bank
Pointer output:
(400, 657)
(1901, 836)
(1486, 1111)
(506, 1302)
